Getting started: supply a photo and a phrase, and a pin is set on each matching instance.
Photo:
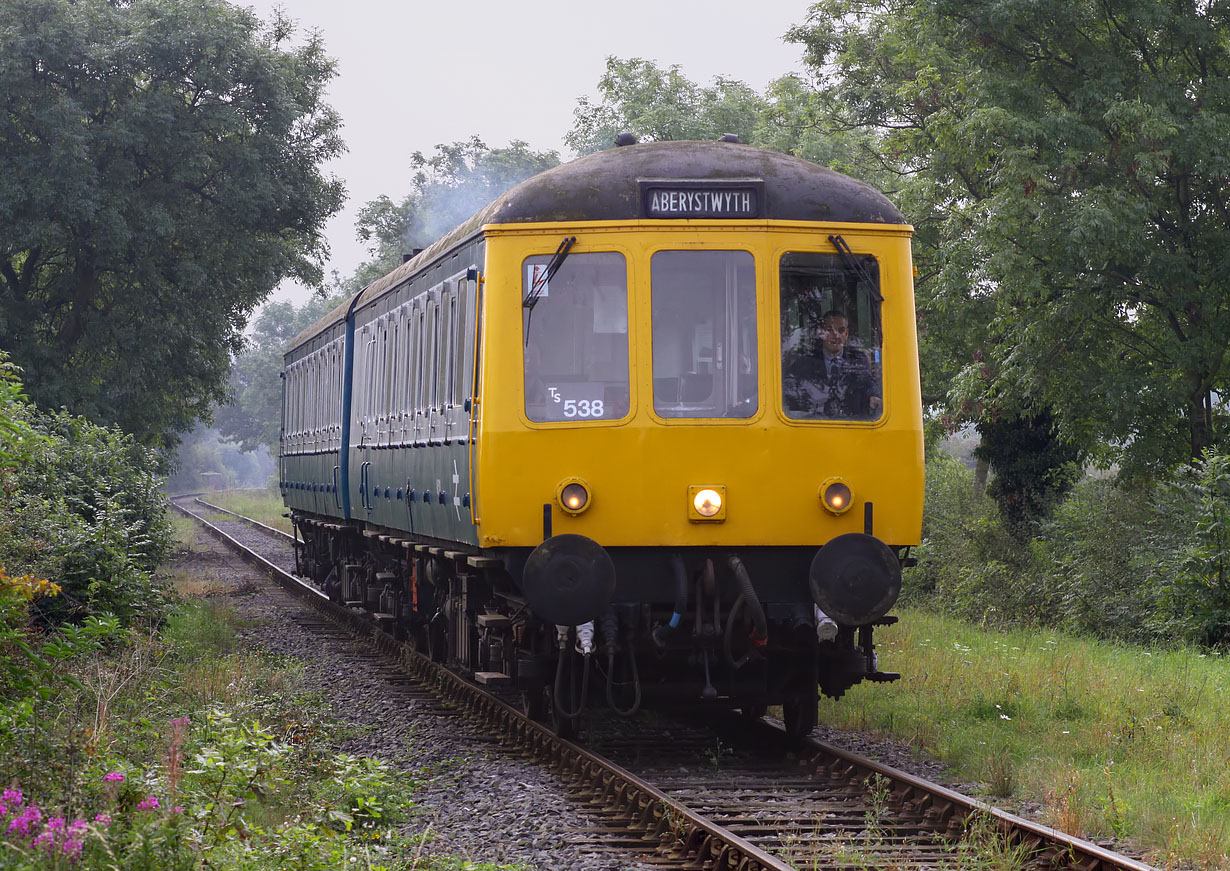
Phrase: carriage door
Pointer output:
(363, 422)
(462, 342)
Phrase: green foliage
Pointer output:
(17, 437)
(968, 564)
(86, 510)
(253, 417)
(229, 795)
(636, 96)
(1034, 468)
(186, 140)
(1064, 165)
(169, 752)
(1141, 562)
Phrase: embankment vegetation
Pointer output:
(135, 733)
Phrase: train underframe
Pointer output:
(684, 628)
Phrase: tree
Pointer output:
(159, 175)
(448, 187)
(1034, 469)
(253, 417)
(658, 105)
(1069, 158)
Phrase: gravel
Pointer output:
(476, 801)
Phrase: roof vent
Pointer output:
(405, 258)
(623, 139)
(731, 137)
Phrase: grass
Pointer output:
(1113, 741)
(263, 505)
(187, 752)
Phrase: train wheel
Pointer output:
(800, 713)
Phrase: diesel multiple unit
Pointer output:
(646, 427)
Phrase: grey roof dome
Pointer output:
(605, 185)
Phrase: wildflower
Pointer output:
(14, 796)
(72, 847)
(103, 820)
(178, 809)
(149, 803)
(180, 721)
(46, 840)
(32, 815)
(1004, 716)
(113, 777)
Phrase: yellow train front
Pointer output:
(692, 458)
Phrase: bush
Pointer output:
(968, 563)
(85, 509)
(1140, 562)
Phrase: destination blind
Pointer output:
(667, 199)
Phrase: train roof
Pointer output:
(611, 186)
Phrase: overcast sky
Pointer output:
(416, 73)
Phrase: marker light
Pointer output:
(573, 495)
(706, 502)
(835, 495)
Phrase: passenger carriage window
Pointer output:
(830, 334)
(461, 329)
(445, 368)
(454, 356)
(401, 404)
(368, 382)
(703, 305)
(575, 338)
(433, 352)
(420, 343)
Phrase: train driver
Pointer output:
(835, 380)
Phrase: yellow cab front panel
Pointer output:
(643, 461)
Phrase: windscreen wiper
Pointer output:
(540, 283)
(553, 265)
(857, 266)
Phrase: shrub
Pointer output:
(968, 563)
(1145, 562)
(85, 510)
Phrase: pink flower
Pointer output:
(55, 824)
(72, 847)
(13, 795)
(103, 820)
(178, 809)
(180, 721)
(113, 777)
(32, 815)
(46, 840)
(149, 803)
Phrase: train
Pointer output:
(645, 430)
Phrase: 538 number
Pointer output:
(583, 408)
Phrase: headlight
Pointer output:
(836, 496)
(572, 494)
(706, 502)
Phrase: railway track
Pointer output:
(729, 793)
